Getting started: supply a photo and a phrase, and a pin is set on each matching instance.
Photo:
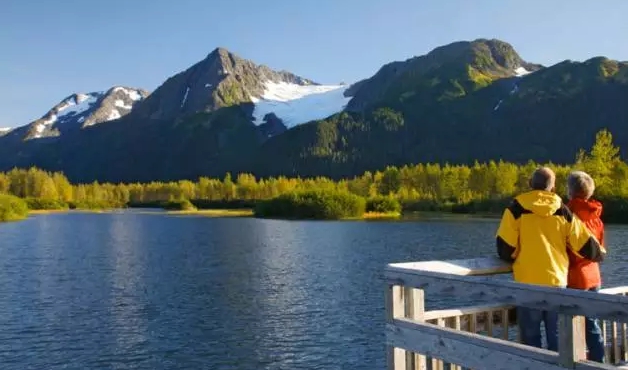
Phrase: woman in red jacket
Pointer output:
(583, 274)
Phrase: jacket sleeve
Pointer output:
(507, 238)
(581, 241)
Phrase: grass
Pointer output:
(381, 215)
(215, 212)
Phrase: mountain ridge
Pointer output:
(465, 101)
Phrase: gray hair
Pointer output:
(543, 179)
(580, 185)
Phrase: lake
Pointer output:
(132, 290)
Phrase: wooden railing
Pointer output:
(485, 336)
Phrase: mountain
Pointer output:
(466, 101)
(80, 110)
(223, 80)
(461, 102)
(4, 130)
(450, 71)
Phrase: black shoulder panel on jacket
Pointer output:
(564, 212)
(517, 209)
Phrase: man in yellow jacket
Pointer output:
(534, 234)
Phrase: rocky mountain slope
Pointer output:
(223, 80)
(466, 101)
(79, 111)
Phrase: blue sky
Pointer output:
(51, 49)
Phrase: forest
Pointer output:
(480, 188)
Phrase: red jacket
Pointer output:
(585, 274)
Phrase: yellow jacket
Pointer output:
(535, 232)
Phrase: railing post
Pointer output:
(395, 307)
(415, 309)
(571, 341)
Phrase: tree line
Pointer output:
(410, 184)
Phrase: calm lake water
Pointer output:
(153, 291)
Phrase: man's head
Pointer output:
(543, 179)
(580, 185)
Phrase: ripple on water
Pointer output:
(140, 291)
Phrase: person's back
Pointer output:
(585, 274)
(535, 234)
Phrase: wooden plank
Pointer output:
(624, 340)
(505, 324)
(394, 305)
(615, 290)
(566, 301)
(469, 350)
(489, 323)
(475, 266)
(445, 314)
(570, 345)
(607, 349)
(615, 343)
(457, 326)
(590, 365)
(415, 309)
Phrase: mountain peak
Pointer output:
(80, 110)
(220, 80)
(446, 72)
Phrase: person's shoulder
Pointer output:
(564, 211)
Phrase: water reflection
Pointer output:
(142, 291)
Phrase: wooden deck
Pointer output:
(485, 336)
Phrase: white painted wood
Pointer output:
(445, 314)
(567, 301)
(570, 347)
(475, 266)
(395, 357)
(470, 350)
(415, 309)
(615, 290)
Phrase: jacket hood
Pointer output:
(540, 202)
(585, 209)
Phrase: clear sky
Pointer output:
(50, 49)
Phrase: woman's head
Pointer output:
(580, 185)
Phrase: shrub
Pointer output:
(383, 205)
(179, 205)
(313, 204)
(12, 208)
(45, 204)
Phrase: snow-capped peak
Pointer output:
(520, 71)
(82, 110)
(295, 104)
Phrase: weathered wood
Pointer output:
(566, 301)
(470, 350)
(475, 266)
(454, 312)
(622, 290)
(394, 304)
(415, 309)
(505, 324)
(570, 347)
(615, 343)
(624, 340)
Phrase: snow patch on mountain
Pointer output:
(78, 104)
(296, 104)
(185, 97)
(120, 104)
(520, 71)
(133, 94)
